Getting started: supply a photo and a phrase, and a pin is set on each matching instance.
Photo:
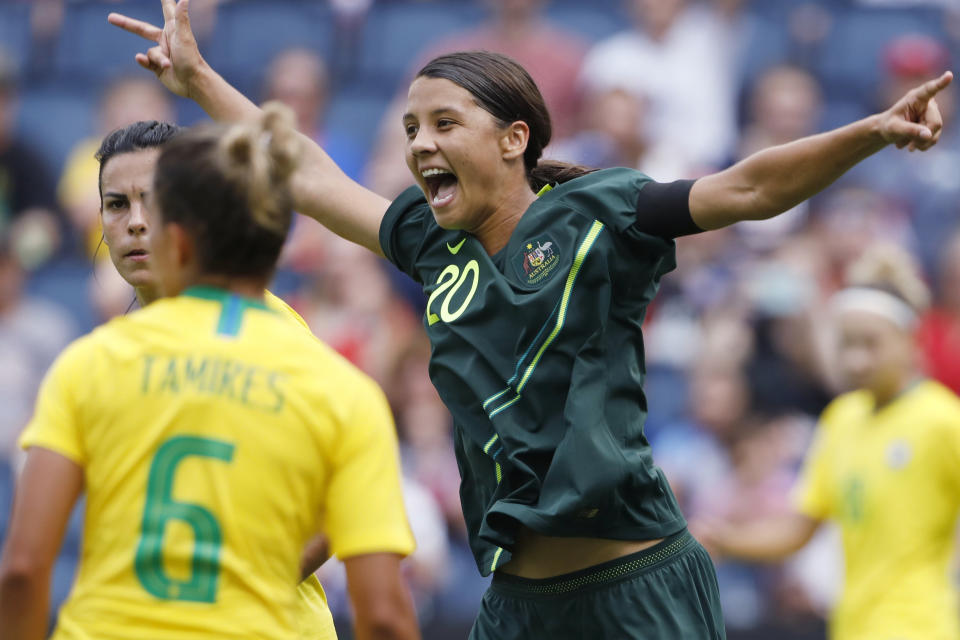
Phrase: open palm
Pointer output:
(176, 58)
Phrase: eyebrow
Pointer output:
(114, 194)
(435, 112)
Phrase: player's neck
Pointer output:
(884, 397)
(244, 286)
(494, 232)
(146, 295)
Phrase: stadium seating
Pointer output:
(15, 33)
(91, 49)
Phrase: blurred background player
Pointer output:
(229, 421)
(885, 467)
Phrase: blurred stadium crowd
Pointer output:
(738, 343)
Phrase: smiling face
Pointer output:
(125, 187)
(459, 154)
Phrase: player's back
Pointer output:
(209, 430)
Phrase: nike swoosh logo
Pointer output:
(456, 248)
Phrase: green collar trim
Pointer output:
(207, 292)
(232, 307)
(545, 189)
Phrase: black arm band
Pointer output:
(663, 209)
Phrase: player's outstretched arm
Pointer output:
(320, 189)
(768, 539)
(46, 492)
(382, 606)
(774, 180)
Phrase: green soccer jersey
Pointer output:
(538, 354)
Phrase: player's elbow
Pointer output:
(390, 618)
(22, 573)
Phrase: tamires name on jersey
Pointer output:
(247, 384)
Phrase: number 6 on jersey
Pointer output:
(160, 507)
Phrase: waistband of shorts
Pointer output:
(623, 568)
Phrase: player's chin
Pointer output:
(447, 218)
(139, 276)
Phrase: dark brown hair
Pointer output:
(228, 186)
(504, 89)
(146, 134)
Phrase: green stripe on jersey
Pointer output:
(582, 252)
(233, 306)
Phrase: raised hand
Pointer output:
(176, 58)
(914, 121)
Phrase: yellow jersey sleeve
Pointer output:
(365, 511)
(946, 415)
(56, 424)
(314, 620)
(275, 303)
(813, 493)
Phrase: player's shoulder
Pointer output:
(599, 179)
(279, 305)
(936, 401)
(596, 193)
(842, 409)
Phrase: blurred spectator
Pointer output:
(300, 79)
(516, 28)
(350, 306)
(696, 455)
(125, 100)
(939, 331)
(926, 183)
(788, 365)
(27, 212)
(109, 294)
(725, 462)
(32, 333)
(426, 431)
(610, 132)
(677, 55)
(849, 218)
(785, 105)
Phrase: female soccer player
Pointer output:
(885, 466)
(538, 276)
(127, 160)
(211, 439)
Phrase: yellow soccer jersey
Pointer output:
(215, 442)
(277, 304)
(891, 479)
(314, 620)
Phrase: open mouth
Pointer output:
(136, 253)
(442, 186)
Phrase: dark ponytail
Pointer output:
(504, 89)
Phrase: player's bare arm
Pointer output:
(764, 540)
(46, 492)
(320, 189)
(381, 602)
(776, 179)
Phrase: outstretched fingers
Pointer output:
(169, 9)
(158, 59)
(182, 14)
(137, 27)
(929, 89)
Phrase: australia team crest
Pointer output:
(537, 261)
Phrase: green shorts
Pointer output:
(666, 592)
